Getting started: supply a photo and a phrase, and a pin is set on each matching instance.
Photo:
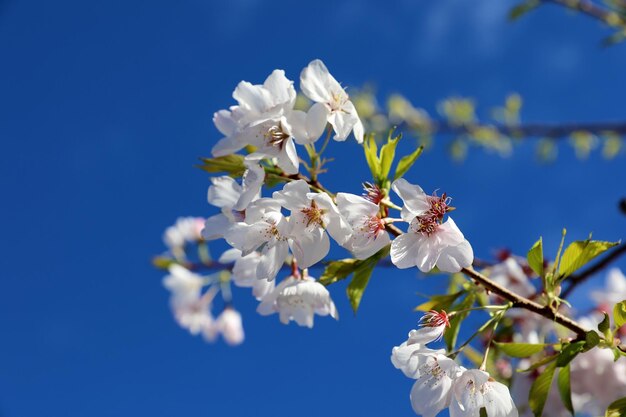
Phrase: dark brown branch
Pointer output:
(576, 280)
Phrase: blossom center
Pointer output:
(372, 226)
(338, 99)
(373, 193)
(435, 318)
(314, 215)
(276, 136)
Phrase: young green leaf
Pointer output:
(535, 257)
(522, 8)
(605, 325)
(439, 302)
(357, 286)
(592, 339)
(540, 389)
(387, 154)
(231, 164)
(406, 162)
(580, 252)
(520, 350)
(569, 352)
(452, 333)
(565, 389)
(616, 408)
(371, 155)
(619, 314)
(338, 270)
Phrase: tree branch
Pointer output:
(592, 10)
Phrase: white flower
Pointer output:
(510, 274)
(475, 389)
(428, 242)
(256, 104)
(274, 139)
(432, 392)
(186, 229)
(312, 214)
(321, 87)
(408, 356)
(368, 229)
(298, 299)
(229, 325)
(232, 198)
(244, 272)
(184, 285)
(265, 230)
(615, 290)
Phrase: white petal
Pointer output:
(358, 131)
(215, 227)
(272, 259)
(354, 207)
(225, 123)
(342, 124)
(288, 158)
(404, 250)
(454, 258)
(229, 256)
(374, 246)
(432, 390)
(414, 198)
(427, 253)
(449, 234)
(280, 88)
(316, 119)
(317, 83)
(224, 192)
(252, 182)
(335, 223)
(253, 97)
(310, 247)
(293, 196)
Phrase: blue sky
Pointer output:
(104, 108)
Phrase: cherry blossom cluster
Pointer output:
(296, 224)
(441, 383)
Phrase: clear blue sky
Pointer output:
(104, 108)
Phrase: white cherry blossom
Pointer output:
(432, 390)
(312, 215)
(265, 230)
(428, 242)
(232, 198)
(184, 286)
(510, 274)
(185, 230)
(244, 272)
(368, 229)
(475, 389)
(298, 299)
(256, 104)
(329, 97)
(614, 291)
(229, 325)
(410, 354)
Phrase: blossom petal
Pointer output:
(310, 247)
(454, 258)
(404, 250)
(342, 124)
(280, 88)
(224, 192)
(317, 83)
(272, 259)
(415, 200)
(215, 227)
(288, 158)
(293, 196)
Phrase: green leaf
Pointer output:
(617, 408)
(371, 155)
(521, 350)
(406, 162)
(535, 257)
(338, 270)
(452, 333)
(592, 339)
(439, 302)
(580, 252)
(387, 154)
(231, 164)
(540, 389)
(565, 389)
(605, 325)
(357, 286)
(569, 352)
(521, 9)
(619, 314)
